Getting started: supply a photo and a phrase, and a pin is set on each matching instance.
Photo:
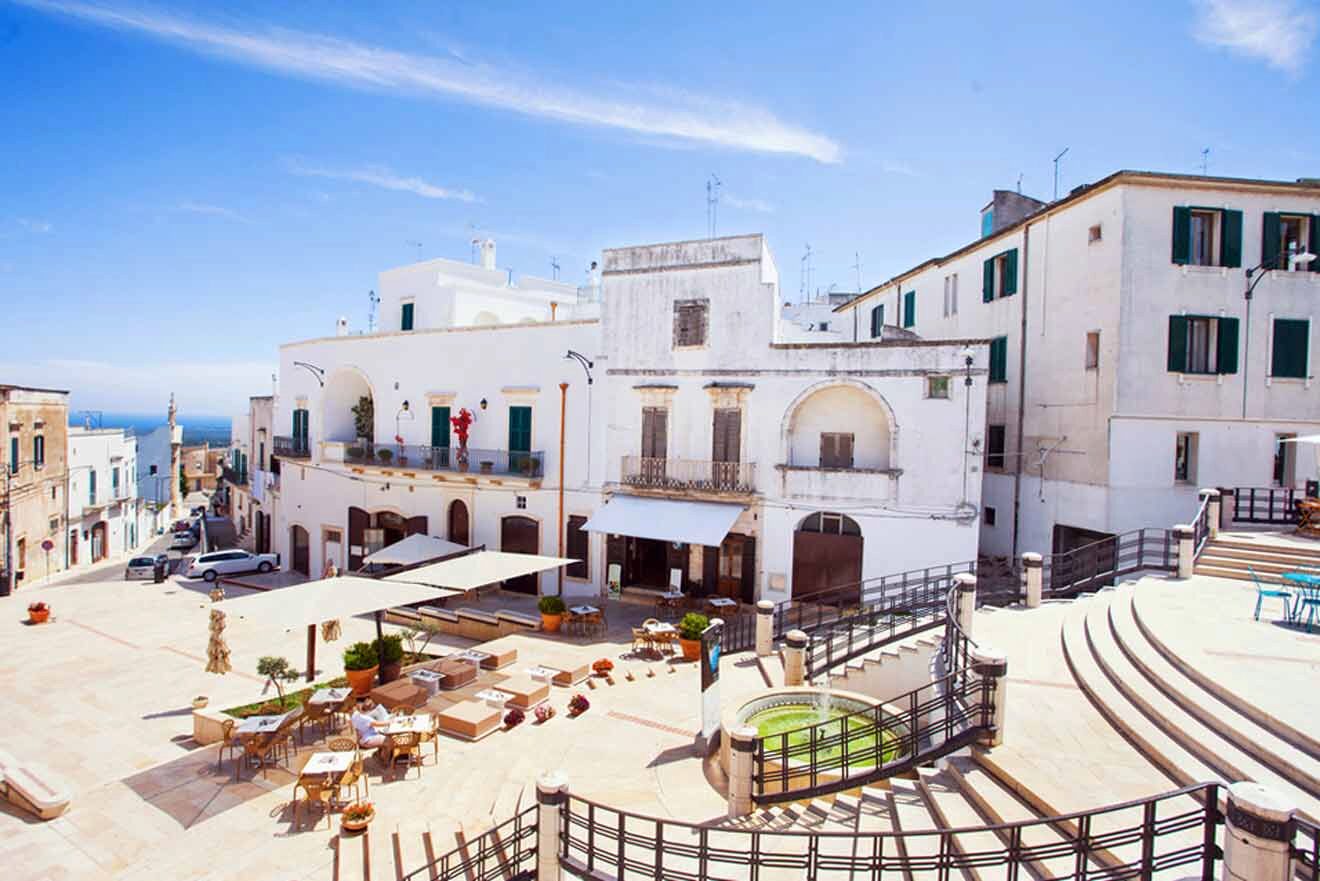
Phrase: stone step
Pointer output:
(1306, 741)
(1259, 547)
(1150, 709)
(1234, 574)
(352, 857)
(1262, 744)
(952, 810)
(1229, 558)
(997, 805)
(911, 813)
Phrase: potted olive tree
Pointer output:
(277, 671)
(689, 634)
(360, 665)
(389, 650)
(552, 613)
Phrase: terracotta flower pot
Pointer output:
(358, 825)
(39, 617)
(551, 623)
(691, 649)
(361, 680)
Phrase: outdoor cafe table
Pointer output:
(329, 696)
(661, 627)
(419, 723)
(584, 610)
(1308, 590)
(722, 603)
(326, 763)
(254, 725)
(473, 656)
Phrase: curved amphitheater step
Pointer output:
(1229, 555)
(1170, 736)
(907, 661)
(864, 811)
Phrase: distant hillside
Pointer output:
(196, 429)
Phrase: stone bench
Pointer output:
(524, 692)
(33, 787)
(468, 720)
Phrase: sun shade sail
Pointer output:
(414, 549)
(475, 570)
(316, 601)
(698, 523)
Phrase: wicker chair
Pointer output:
(320, 715)
(402, 710)
(320, 789)
(640, 639)
(342, 745)
(432, 736)
(405, 745)
(263, 749)
(342, 713)
(229, 742)
(352, 777)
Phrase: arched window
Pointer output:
(829, 523)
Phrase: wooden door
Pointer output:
(521, 535)
(358, 521)
(655, 443)
(458, 522)
(73, 548)
(300, 550)
(825, 562)
(726, 447)
(749, 569)
(415, 525)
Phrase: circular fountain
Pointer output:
(793, 711)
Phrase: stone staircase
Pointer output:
(891, 669)
(1189, 732)
(1229, 557)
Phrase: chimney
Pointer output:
(341, 326)
(488, 254)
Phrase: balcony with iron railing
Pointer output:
(292, 448)
(529, 465)
(689, 475)
(233, 475)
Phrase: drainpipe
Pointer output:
(563, 407)
(1022, 393)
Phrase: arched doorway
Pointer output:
(521, 535)
(458, 522)
(393, 527)
(300, 550)
(99, 547)
(827, 557)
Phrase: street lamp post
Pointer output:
(1294, 260)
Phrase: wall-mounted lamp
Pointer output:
(483, 403)
(405, 406)
(318, 372)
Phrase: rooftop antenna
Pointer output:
(1056, 172)
(371, 311)
(804, 282)
(1205, 161)
(713, 185)
(1019, 190)
(418, 246)
(554, 268)
(857, 267)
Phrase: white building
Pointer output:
(153, 463)
(1147, 372)
(721, 446)
(106, 516)
(250, 486)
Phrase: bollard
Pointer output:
(992, 665)
(1033, 565)
(1186, 536)
(551, 793)
(742, 746)
(1212, 509)
(795, 657)
(1258, 834)
(765, 628)
(966, 601)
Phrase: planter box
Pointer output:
(208, 726)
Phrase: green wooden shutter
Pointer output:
(1177, 344)
(877, 319)
(1182, 234)
(1010, 273)
(13, 455)
(1269, 240)
(1314, 247)
(91, 487)
(1227, 360)
(1291, 341)
(881, 307)
(988, 280)
(910, 309)
(999, 359)
(1230, 251)
(440, 427)
(406, 320)
(520, 429)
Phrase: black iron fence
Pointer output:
(1253, 504)
(1100, 563)
(420, 457)
(1137, 839)
(292, 447)
(1201, 527)
(498, 855)
(689, 474)
(1306, 850)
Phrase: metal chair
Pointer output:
(1262, 592)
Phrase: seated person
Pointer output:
(367, 719)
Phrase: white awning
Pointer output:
(1304, 439)
(698, 523)
(315, 601)
(474, 570)
(414, 549)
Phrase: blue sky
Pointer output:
(184, 187)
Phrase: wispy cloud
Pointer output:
(1278, 32)
(664, 114)
(380, 176)
(33, 225)
(209, 210)
(758, 205)
(893, 166)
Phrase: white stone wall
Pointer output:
(103, 450)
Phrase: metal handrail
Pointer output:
(500, 852)
(1280, 504)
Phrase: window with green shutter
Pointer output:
(910, 309)
(520, 429)
(877, 320)
(1286, 234)
(91, 487)
(440, 426)
(988, 280)
(999, 275)
(406, 319)
(13, 455)
(1206, 236)
(1008, 273)
(999, 359)
(1202, 344)
(1291, 348)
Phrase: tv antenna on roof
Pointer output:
(804, 282)
(1056, 172)
(713, 185)
(857, 267)
(1205, 161)
(554, 268)
(371, 311)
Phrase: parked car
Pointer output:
(182, 525)
(183, 540)
(143, 567)
(216, 563)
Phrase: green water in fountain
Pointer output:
(797, 719)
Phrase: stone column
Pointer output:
(1033, 566)
(1227, 506)
(551, 793)
(765, 628)
(1258, 834)
(795, 657)
(992, 665)
(1212, 515)
(742, 746)
(965, 600)
(1186, 537)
